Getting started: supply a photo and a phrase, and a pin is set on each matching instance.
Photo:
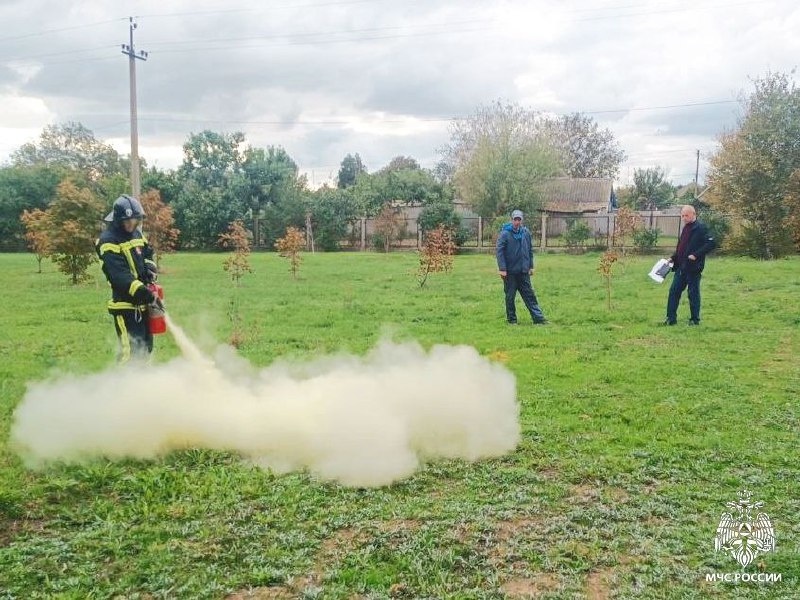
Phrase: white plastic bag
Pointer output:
(660, 270)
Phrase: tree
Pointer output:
(210, 157)
(625, 224)
(439, 213)
(793, 206)
(238, 263)
(289, 246)
(73, 223)
(500, 155)
(651, 190)
(497, 179)
(36, 234)
(586, 150)
(333, 211)
(349, 170)
(576, 235)
(606, 268)
(402, 181)
(201, 214)
(73, 146)
(162, 235)
(24, 188)
(207, 202)
(389, 226)
(437, 253)
(401, 163)
(272, 190)
(166, 183)
(751, 174)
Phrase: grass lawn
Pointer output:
(634, 437)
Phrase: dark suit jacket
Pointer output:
(700, 243)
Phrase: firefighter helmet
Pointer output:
(125, 207)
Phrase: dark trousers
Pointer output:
(135, 339)
(683, 279)
(521, 282)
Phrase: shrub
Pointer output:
(645, 240)
(576, 235)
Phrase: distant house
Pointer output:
(565, 196)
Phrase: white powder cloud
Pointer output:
(361, 421)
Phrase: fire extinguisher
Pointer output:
(157, 317)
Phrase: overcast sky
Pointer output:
(324, 78)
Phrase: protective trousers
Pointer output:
(135, 339)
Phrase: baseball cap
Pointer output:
(516, 214)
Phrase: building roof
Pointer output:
(568, 195)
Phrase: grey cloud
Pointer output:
(707, 121)
(335, 62)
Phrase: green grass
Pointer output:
(634, 438)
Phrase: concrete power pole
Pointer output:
(132, 57)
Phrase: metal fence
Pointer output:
(599, 232)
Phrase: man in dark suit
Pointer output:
(688, 262)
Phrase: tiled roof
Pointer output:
(568, 195)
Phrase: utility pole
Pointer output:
(696, 173)
(132, 58)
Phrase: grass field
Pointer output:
(634, 437)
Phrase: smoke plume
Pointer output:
(361, 421)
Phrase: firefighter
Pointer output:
(128, 265)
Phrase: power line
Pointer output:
(289, 42)
(346, 2)
(685, 105)
(669, 10)
(436, 119)
(63, 52)
(60, 29)
(283, 7)
(313, 34)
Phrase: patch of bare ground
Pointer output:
(530, 587)
(601, 581)
(264, 593)
(587, 494)
(548, 473)
(597, 585)
(12, 528)
(504, 538)
(331, 551)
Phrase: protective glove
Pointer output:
(144, 296)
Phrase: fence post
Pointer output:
(480, 232)
(543, 240)
(363, 233)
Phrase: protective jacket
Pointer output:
(128, 266)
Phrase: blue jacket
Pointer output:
(514, 250)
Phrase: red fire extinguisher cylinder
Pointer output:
(157, 318)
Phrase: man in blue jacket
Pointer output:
(688, 263)
(515, 262)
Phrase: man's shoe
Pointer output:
(693, 322)
(667, 322)
(542, 322)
